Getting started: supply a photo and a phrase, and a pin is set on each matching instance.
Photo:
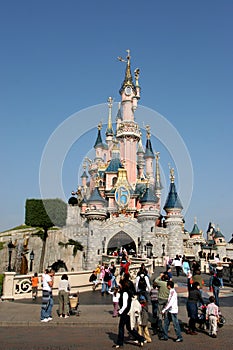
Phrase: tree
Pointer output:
(45, 214)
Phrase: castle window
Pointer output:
(152, 229)
(114, 180)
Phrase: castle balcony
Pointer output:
(144, 215)
(95, 214)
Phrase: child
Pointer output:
(143, 324)
(35, 282)
(154, 299)
(212, 315)
(115, 301)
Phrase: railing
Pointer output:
(19, 286)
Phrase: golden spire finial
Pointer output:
(128, 56)
(172, 176)
(100, 125)
(148, 134)
(195, 220)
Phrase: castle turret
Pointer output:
(140, 160)
(149, 157)
(147, 216)
(174, 220)
(158, 183)
(109, 131)
(128, 133)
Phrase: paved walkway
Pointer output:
(95, 318)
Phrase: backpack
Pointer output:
(142, 283)
(216, 281)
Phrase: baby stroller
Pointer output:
(74, 304)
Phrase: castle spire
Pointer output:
(149, 151)
(158, 184)
(128, 81)
(109, 131)
(99, 142)
(173, 200)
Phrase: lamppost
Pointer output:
(10, 249)
(31, 256)
(163, 247)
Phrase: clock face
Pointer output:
(128, 90)
(122, 196)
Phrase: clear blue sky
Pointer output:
(59, 57)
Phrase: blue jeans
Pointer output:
(168, 318)
(113, 282)
(47, 312)
(154, 308)
(104, 287)
(216, 294)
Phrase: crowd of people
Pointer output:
(131, 299)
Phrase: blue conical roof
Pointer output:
(98, 142)
(149, 196)
(195, 230)
(96, 197)
(84, 174)
(173, 200)
(149, 151)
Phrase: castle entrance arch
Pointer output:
(121, 239)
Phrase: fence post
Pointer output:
(8, 286)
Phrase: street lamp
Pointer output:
(32, 255)
(163, 247)
(10, 249)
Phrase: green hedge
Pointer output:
(1, 282)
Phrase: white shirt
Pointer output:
(172, 303)
(47, 278)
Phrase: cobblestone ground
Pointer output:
(73, 338)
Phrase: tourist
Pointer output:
(215, 285)
(177, 263)
(93, 279)
(35, 282)
(63, 296)
(170, 312)
(194, 297)
(162, 300)
(142, 270)
(212, 315)
(143, 323)
(219, 272)
(106, 277)
(125, 304)
(142, 285)
(154, 293)
(198, 278)
(115, 301)
(185, 266)
(112, 269)
(47, 296)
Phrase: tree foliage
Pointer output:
(45, 213)
(76, 245)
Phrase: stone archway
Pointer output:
(121, 239)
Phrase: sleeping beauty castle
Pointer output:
(118, 202)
